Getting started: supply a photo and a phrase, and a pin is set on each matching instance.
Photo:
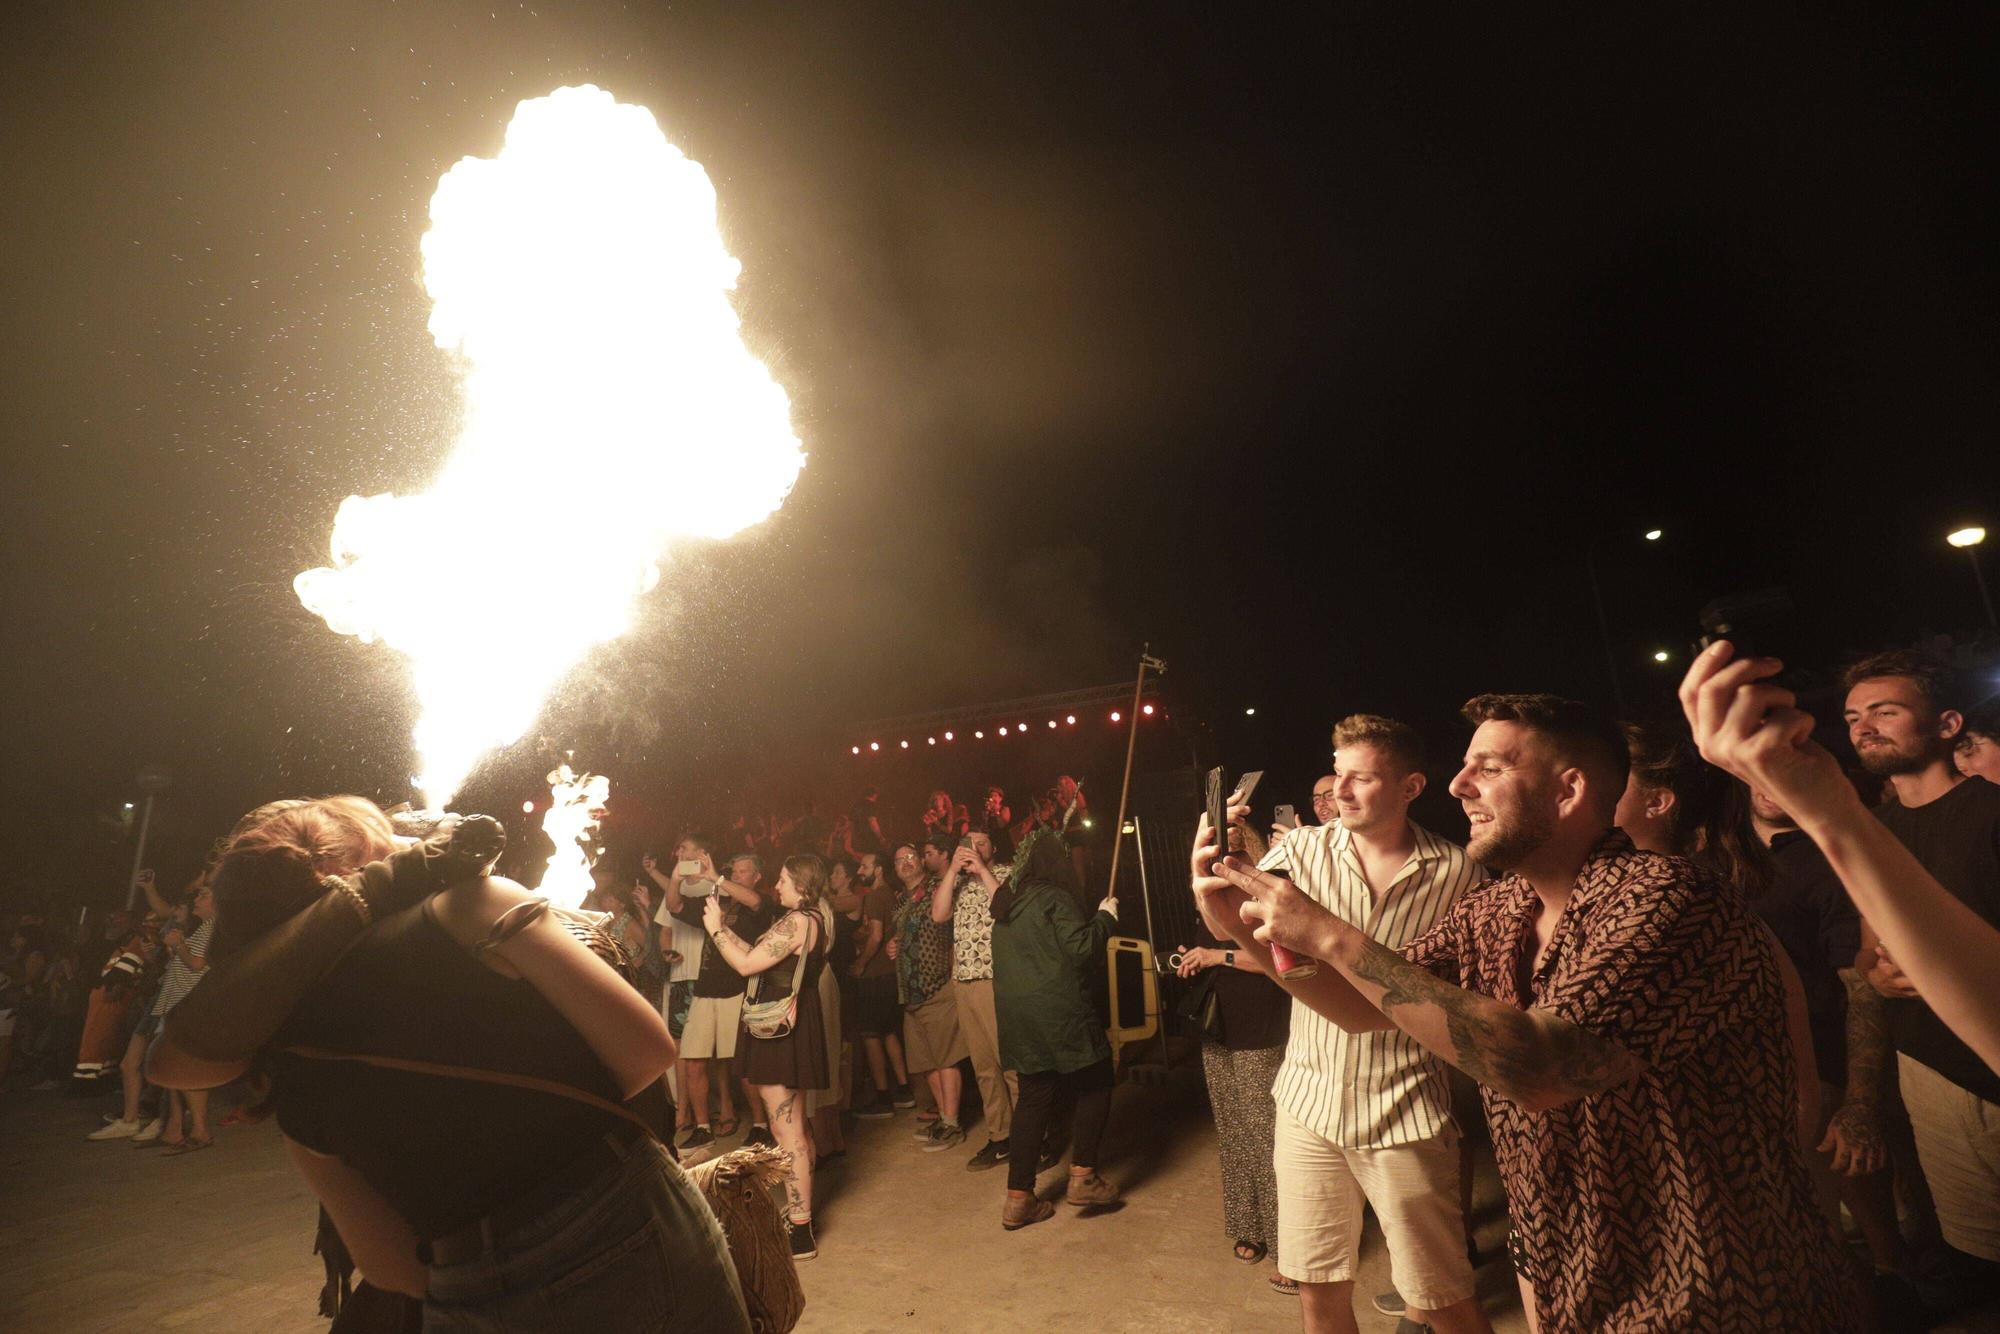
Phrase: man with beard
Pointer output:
(879, 1016)
(1902, 723)
(1624, 1015)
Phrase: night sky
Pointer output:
(1316, 352)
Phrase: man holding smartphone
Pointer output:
(1365, 1118)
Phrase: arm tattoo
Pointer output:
(1529, 1057)
(727, 937)
(1868, 1046)
(778, 941)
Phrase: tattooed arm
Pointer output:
(1534, 1057)
(1854, 1135)
(787, 936)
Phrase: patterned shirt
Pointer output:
(179, 979)
(923, 947)
(972, 928)
(1678, 1199)
(1367, 1090)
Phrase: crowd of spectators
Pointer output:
(1713, 1090)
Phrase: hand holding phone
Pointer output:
(1286, 817)
(1288, 965)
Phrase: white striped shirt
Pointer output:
(1367, 1090)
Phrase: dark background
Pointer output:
(1315, 351)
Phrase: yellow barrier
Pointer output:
(1141, 953)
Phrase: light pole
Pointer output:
(1603, 622)
(1968, 540)
(153, 779)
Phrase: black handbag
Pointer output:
(1201, 1007)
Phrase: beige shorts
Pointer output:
(711, 1027)
(1958, 1143)
(932, 1039)
(1323, 1190)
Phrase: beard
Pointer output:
(1892, 758)
(1510, 839)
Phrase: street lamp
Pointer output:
(1968, 540)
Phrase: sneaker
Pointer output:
(149, 1132)
(877, 1108)
(994, 1154)
(1050, 1157)
(760, 1137)
(925, 1132)
(902, 1099)
(948, 1134)
(1090, 1189)
(117, 1129)
(698, 1138)
(1409, 1326)
(1390, 1303)
(804, 1245)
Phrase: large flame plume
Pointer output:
(576, 806)
(610, 409)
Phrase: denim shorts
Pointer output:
(635, 1249)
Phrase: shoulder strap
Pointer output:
(805, 948)
(476, 1075)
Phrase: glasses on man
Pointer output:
(906, 860)
(1322, 799)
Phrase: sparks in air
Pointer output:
(610, 409)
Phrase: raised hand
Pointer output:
(1756, 731)
(1278, 910)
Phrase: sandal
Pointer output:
(1288, 1287)
(1249, 1253)
(188, 1145)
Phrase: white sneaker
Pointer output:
(150, 1132)
(119, 1129)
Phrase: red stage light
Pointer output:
(1003, 731)
(947, 736)
(1148, 710)
(1115, 717)
(906, 745)
(857, 750)
(1052, 722)
(527, 808)
(930, 741)
(874, 745)
(1071, 720)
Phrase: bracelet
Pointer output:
(353, 896)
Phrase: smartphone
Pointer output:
(1758, 623)
(1246, 785)
(684, 869)
(1286, 817)
(1288, 965)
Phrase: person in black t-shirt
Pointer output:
(1902, 724)
(1809, 912)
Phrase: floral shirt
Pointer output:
(1678, 1199)
(972, 928)
(923, 947)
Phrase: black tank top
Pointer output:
(444, 1151)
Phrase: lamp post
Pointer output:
(1603, 622)
(153, 779)
(1969, 539)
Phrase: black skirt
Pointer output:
(796, 1060)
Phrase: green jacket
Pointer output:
(1041, 950)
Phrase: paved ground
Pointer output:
(102, 1237)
